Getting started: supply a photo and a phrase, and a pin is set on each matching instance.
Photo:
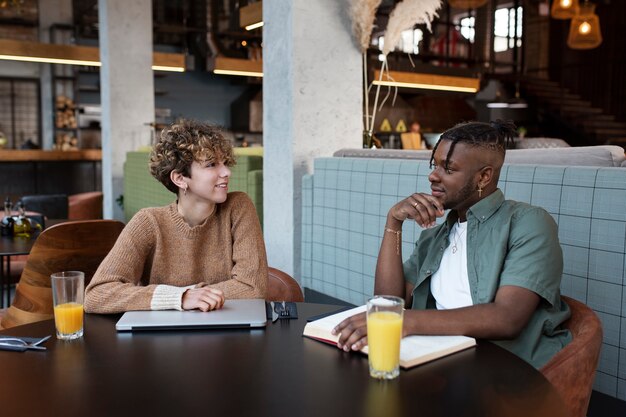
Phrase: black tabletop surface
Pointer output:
(10, 245)
(271, 372)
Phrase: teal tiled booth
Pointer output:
(346, 200)
(142, 190)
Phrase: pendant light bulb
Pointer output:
(584, 31)
(584, 28)
(564, 9)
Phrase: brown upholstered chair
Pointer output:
(572, 370)
(85, 206)
(282, 287)
(52, 206)
(78, 246)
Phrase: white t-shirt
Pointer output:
(450, 284)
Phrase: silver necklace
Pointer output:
(457, 237)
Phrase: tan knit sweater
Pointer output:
(158, 256)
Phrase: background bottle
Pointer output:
(7, 220)
(22, 226)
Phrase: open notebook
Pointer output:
(414, 350)
(235, 314)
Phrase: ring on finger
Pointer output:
(416, 204)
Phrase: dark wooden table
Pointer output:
(10, 246)
(271, 372)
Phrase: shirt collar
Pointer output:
(487, 206)
(481, 210)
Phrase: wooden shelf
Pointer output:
(40, 155)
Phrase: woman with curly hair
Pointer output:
(205, 247)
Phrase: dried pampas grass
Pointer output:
(407, 14)
(363, 13)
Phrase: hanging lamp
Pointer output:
(467, 4)
(564, 9)
(584, 30)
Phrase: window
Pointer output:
(409, 41)
(466, 27)
(19, 118)
(508, 26)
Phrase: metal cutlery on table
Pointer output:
(283, 310)
(20, 345)
(274, 313)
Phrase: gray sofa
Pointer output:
(346, 200)
(601, 156)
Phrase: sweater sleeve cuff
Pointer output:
(168, 297)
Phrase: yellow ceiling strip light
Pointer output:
(236, 66)
(254, 26)
(49, 60)
(48, 53)
(251, 16)
(428, 81)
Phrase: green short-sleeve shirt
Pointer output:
(508, 243)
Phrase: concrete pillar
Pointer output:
(51, 12)
(127, 90)
(312, 100)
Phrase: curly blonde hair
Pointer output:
(183, 143)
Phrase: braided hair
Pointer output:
(494, 136)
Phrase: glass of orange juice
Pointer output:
(384, 332)
(68, 291)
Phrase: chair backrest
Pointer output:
(571, 371)
(282, 287)
(53, 206)
(70, 246)
(85, 206)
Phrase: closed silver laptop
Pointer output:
(249, 313)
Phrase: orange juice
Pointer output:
(68, 318)
(384, 331)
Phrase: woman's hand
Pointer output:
(352, 332)
(421, 207)
(203, 298)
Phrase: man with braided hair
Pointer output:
(491, 270)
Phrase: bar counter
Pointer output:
(29, 172)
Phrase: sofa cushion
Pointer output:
(384, 153)
(601, 156)
(531, 143)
